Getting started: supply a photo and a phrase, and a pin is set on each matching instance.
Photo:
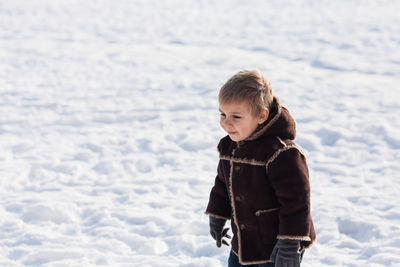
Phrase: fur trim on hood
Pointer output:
(280, 123)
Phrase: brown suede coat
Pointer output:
(263, 187)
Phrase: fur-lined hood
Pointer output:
(280, 123)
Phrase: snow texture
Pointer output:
(109, 125)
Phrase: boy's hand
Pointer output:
(218, 231)
(286, 253)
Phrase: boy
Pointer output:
(262, 184)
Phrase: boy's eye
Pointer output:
(222, 115)
(236, 117)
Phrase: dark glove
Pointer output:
(286, 253)
(218, 231)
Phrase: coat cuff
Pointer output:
(294, 237)
(219, 205)
(216, 215)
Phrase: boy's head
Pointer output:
(249, 86)
(244, 102)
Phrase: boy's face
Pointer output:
(238, 121)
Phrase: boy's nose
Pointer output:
(228, 121)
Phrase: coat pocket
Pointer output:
(268, 224)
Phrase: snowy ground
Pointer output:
(109, 125)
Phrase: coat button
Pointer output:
(238, 199)
(237, 168)
(242, 227)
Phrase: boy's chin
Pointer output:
(235, 138)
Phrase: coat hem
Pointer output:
(250, 262)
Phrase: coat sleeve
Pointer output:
(288, 174)
(219, 203)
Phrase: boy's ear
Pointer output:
(263, 116)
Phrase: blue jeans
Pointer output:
(233, 261)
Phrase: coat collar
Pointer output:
(280, 123)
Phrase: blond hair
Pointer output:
(250, 86)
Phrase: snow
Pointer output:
(109, 125)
